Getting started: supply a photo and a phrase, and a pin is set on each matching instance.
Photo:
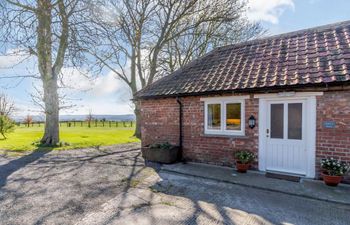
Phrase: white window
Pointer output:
(224, 115)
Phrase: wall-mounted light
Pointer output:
(251, 121)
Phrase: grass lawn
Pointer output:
(26, 138)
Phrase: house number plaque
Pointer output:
(329, 124)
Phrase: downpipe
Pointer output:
(180, 155)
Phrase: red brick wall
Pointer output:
(160, 122)
(333, 142)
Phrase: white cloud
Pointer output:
(104, 94)
(106, 85)
(13, 57)
(82, 80)
(24, 108)
(107, 106)
(268, 10)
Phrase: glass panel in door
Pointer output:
(295, 114)
(277, 118)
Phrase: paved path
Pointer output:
(307, 188)
(112, 186)
(177, 199)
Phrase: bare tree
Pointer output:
(89, 118)
(28, 120)
(55, 32)
(7, 106)
(141, 40)
(201, 39)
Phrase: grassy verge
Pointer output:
(25, 138)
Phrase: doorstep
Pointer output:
(308, 188)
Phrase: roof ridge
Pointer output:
(291, 33)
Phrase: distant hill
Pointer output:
(127, 117)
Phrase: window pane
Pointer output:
(214, 116)
(233, 116)
(295, 114)
(277, 121)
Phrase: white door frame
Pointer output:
(310, 100)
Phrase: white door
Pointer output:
(286, 145)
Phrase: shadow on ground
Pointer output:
(59, 187)
(210, 202)
(113, 186)
(173, 199)
(18, 163)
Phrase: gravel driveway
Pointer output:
(59, 187)
(112, 186)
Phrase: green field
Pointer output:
(26, 138)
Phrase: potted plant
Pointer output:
(333, 171)
(160, 152)
(243, 160)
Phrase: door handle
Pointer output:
(267, 132)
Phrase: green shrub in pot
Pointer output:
(243, 160)
(333, 171)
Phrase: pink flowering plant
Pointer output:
(334, 167)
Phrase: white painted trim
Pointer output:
(310, 103)
(288, 95)
(262, 130)
(311, 137)
(223, 101)
(225, 98)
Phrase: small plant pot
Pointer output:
(242, 167)
(331, 180)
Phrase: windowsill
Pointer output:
(225, 135)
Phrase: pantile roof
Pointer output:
(306, 57)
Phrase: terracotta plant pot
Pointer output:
(331, 180)
(242, 167)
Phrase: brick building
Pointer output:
(295, 86)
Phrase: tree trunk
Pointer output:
(138, 120)
(51, 135)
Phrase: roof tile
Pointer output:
(317, 55)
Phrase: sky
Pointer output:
(108, 95)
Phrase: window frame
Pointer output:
(223, 101)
